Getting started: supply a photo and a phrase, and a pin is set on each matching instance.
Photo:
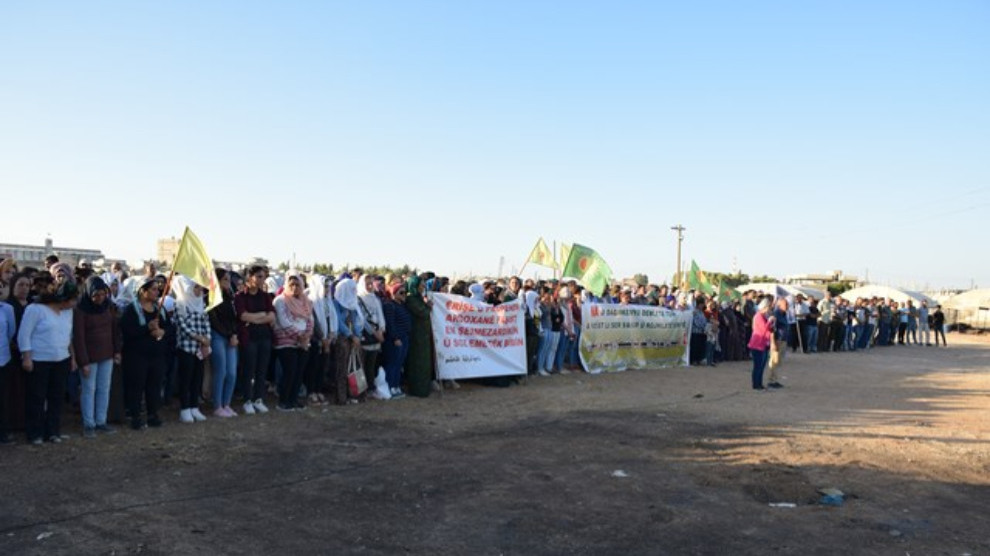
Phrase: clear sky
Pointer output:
(788, 137)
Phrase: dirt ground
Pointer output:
(671, 461)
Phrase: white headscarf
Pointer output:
(533, 303)
(346, 294)
(318, 295)
(186, 301)
(477, 291)
(127, 292)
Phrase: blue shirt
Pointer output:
(7, 326)
(45, 333)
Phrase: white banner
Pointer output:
(475, 339)
(620, 337)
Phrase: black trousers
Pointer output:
(293, 361)
(143, 383)
(837, 334)
(316, 369)
(190, 379)
(45, 395)
(255, 355)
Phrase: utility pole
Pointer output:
(680, 238)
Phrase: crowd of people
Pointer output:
(122, 348)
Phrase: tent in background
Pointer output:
(971, 308)
(897, 294)
(791, 289)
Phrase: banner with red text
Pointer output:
(620, 337)
(475, 339)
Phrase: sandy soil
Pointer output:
(671, 461)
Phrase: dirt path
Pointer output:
(674, 461)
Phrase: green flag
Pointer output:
(589, 268)
(727, 293)
(698, 281)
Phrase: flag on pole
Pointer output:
(698, 281)
(589, 268)
(565, 253)
(541, 255)
(192, 262)
(727, 293)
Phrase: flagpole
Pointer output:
(555, 264)
(171, 272)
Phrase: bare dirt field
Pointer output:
(671, 461)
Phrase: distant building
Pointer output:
(822, 280)
(34, 255)
(166, 249)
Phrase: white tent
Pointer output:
(900, 296)
(792, 290)
(971, 308)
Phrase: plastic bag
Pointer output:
(356, 383)
(381, 385)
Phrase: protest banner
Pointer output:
(474, 339)
(620, 337)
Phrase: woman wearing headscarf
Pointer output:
(143, 325)
(477, 291)
(97, 342)
(223, 348)
(419, 364)
(62, 272)
(350, 323)
(45, 341)
(373, 333)
(395, 349)
(532, 307)
(293, 330)
(193, 346)
(324, 333)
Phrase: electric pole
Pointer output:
(680, 238)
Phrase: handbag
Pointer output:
(368, 338)
(357, 384)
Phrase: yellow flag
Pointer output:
(565, 253)
(192, 262)
(541, 255)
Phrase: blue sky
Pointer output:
(788, 137)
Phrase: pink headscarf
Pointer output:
(299, 305)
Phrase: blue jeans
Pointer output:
(710, 353)
(94, 396)
(865, 337)
(759, 362)
(393, 358)
(575, 352)
(223, 358)
(563, 348)
(549, 353)
(811, 338)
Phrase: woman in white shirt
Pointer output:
(45, 341)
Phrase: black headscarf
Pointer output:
(93, 285)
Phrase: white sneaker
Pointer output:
(248, 408)
(541, 372)
(259, 406)
(197, 414)
(186, 416)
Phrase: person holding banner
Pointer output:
(419, 366)
(759, 342)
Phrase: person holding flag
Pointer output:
(193, 343)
